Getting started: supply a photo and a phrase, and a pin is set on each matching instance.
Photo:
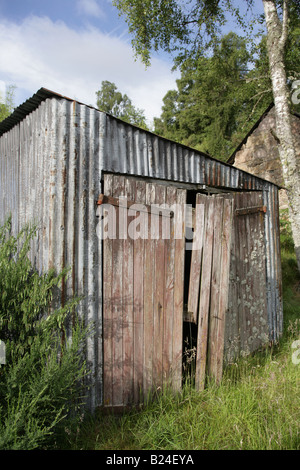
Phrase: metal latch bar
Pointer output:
(251, 210)
(126, 204)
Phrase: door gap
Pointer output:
(190, 329)
(189, 345)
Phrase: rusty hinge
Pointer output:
(251, 210)
(126, 204)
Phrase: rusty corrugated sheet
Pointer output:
(130, 150)
(54, 184)
(133, 151)
(274, 280)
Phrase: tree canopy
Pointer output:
(188, 28)
(212, 108)
(111, 100)
(219, 98)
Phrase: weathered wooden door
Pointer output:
(143, 276)
(247, 325)
(209, 280)
(228, 287)
(144, 280)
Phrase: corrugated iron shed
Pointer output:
(53, 154)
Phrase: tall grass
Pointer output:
(256, 407)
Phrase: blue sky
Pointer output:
(70, 46)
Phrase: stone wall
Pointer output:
(259, 154)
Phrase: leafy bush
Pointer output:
(41, 380)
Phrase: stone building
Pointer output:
(258, 152)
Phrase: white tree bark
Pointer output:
(276, 40)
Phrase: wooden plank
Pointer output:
(107, 311)
(127, 285)
(204, 302)
(196, 261)
(117, 300)
(224, 288)
(231, 327)
(160, 192)
(179, 228)
(240, 271)
(168, 310)
(149, 283)
(138, 294)
(215, 294)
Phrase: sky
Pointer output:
(70, 47)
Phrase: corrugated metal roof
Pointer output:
(27, 107)
(186, 155)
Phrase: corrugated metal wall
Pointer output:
(64, 147)
(273, 262)
(55, 184)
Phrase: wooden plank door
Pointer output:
(229, 281)
(247, 325)
(215, 224)
(142, 290)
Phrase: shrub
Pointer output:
(41, 380)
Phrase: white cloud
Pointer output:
(2, 88)
(41, 53)
(89, 8)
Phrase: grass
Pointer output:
(256, 407)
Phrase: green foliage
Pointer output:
(212, 109)
(41, 381)
(225, 83)
(187, 28)
(7, 103)
(154, 24)
(111, 101)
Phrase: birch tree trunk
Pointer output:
(276, 41)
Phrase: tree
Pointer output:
(111, 101)
(276, 44)
(210, 108)
(187, 28)
(7, 104)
